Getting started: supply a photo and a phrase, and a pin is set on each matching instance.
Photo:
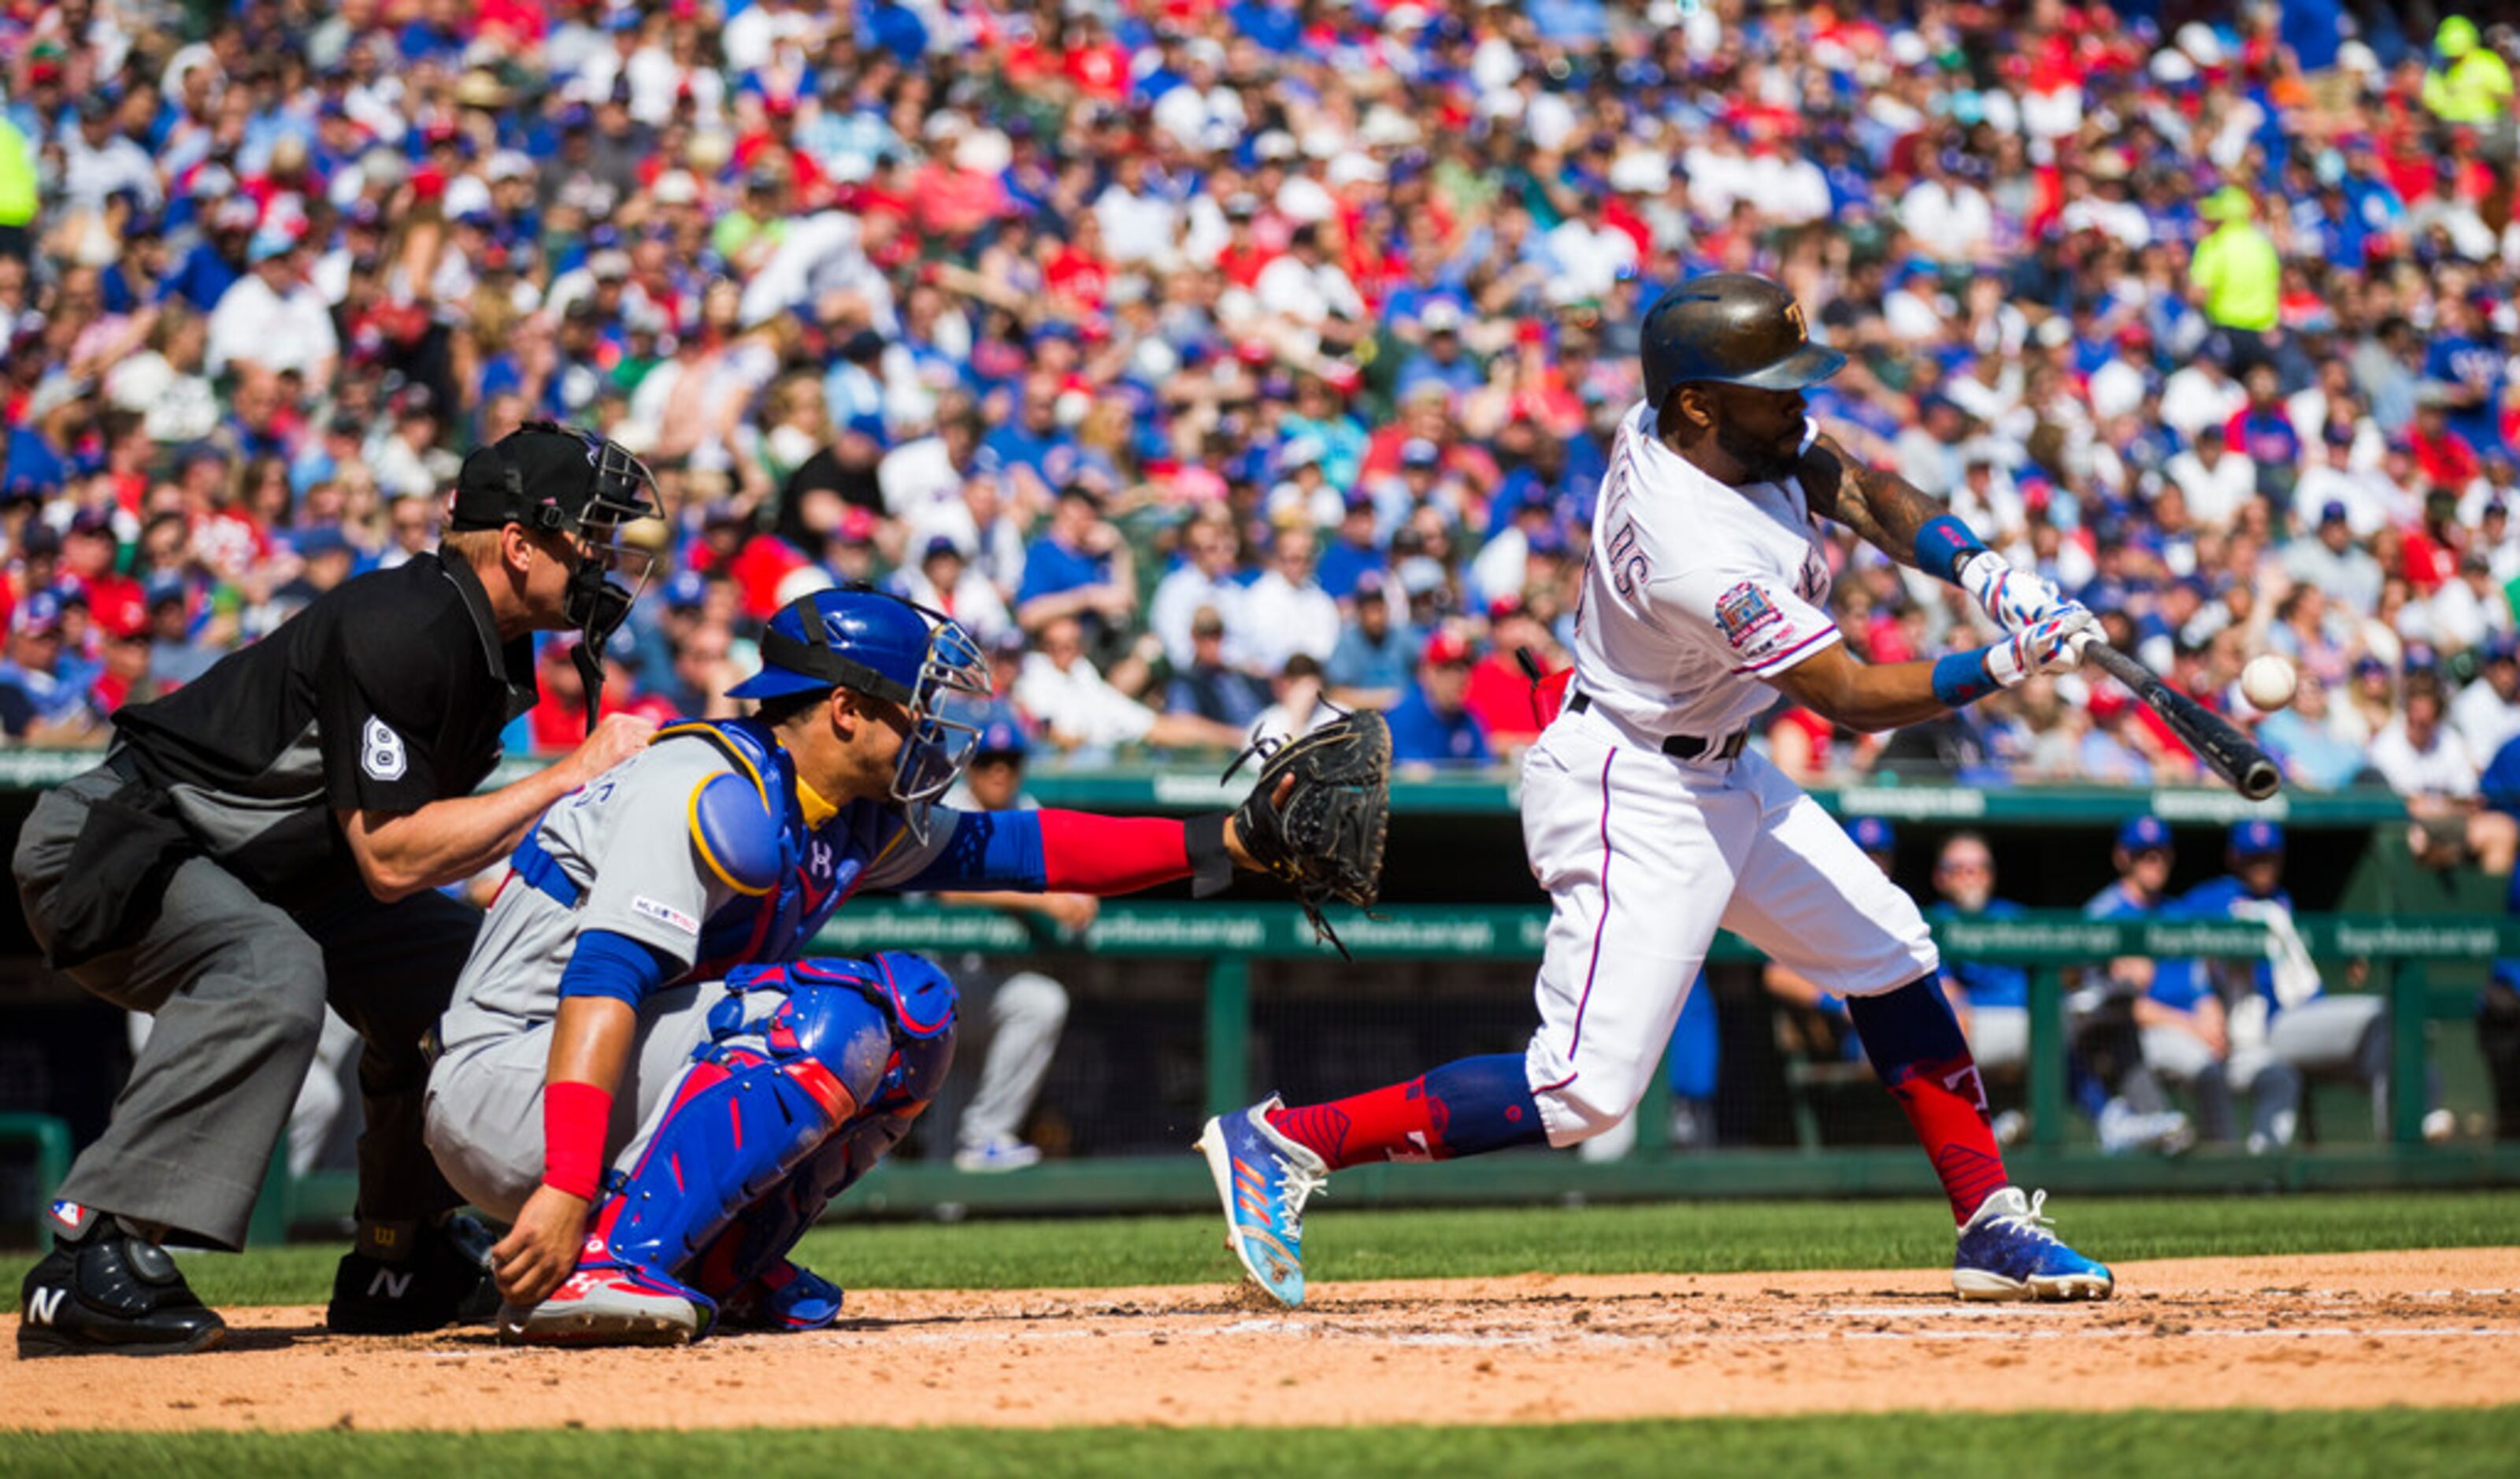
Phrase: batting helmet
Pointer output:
(1734, 329)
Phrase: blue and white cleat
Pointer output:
(2007, 1253)
(1263, 1180)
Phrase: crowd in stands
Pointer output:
(1217, 363)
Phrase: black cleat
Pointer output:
(444, 1282)
(109, 1293)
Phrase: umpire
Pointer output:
(270, 838)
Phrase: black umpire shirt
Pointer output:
(386, 694)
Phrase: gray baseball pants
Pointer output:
(238, 988)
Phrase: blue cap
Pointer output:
(1872, 834)
(687, 591)
(1000, 736)
(2144, 835)
(323, 539)
(39, 613)
(2256, 840)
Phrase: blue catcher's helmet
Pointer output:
(894, 650)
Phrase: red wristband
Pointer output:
(574, 1116)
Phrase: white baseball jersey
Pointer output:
(1695, 591)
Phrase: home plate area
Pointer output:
(2436, 1328)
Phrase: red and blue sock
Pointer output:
(1468, 1107)
(1915, 1046)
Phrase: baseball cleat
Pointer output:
(783, 1301)
(1263, 1180)
(1003, 1153)
(445, 1280)
(609, 1306)
(2007, 1253)
(110, 1293)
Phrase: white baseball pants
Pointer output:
(1645, 856)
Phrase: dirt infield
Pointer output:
(2423, 1328)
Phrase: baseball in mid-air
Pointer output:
(2268, 682)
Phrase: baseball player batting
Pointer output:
(1651, 825)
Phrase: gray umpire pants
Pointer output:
(238, 987)
(1022, 1018)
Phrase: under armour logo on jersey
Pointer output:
(380, 753)
(819, 861)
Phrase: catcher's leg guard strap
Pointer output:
(1211, 866)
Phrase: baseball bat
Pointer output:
(2225, 749)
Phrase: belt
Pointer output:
(1684, 746)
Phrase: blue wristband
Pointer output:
(1944, 544)
(1961, 679)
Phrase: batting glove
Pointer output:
(2015, 599)
(2050, 645)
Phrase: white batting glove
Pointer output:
(2015, 599)
(2050, 645)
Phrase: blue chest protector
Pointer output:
(789, 875)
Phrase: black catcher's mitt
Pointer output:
(1325, 839)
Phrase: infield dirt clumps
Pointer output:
(2433, 1328)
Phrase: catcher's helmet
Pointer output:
(896, 649)
(1735, 328)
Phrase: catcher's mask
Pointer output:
(895, 649)
(568, 480)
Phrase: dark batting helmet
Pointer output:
(1734, 329)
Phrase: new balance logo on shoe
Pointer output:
(44, 1306)
(388, 1284)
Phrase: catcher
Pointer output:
(640, 1071)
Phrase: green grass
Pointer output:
(1724, 1236)
(2143, 1445)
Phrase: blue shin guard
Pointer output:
(795, 1054)
(749, 1261)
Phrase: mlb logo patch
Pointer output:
(1745, 613)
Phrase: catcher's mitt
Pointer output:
(1324, 840)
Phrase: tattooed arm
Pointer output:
(1896, 517)
(1884, 509)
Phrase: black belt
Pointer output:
(1684, 746)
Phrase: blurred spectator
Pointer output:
(1286, 611)
(1370, 668)
(1502, 694)
(42, 701)
(2143, 315)
(1991, 999)
(1079, 570)
(1069, 699)
(1297, 704)
(1433, 724)
(944, 581)
(1204, 581)
(1206, 686)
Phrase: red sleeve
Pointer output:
(1083, 853)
